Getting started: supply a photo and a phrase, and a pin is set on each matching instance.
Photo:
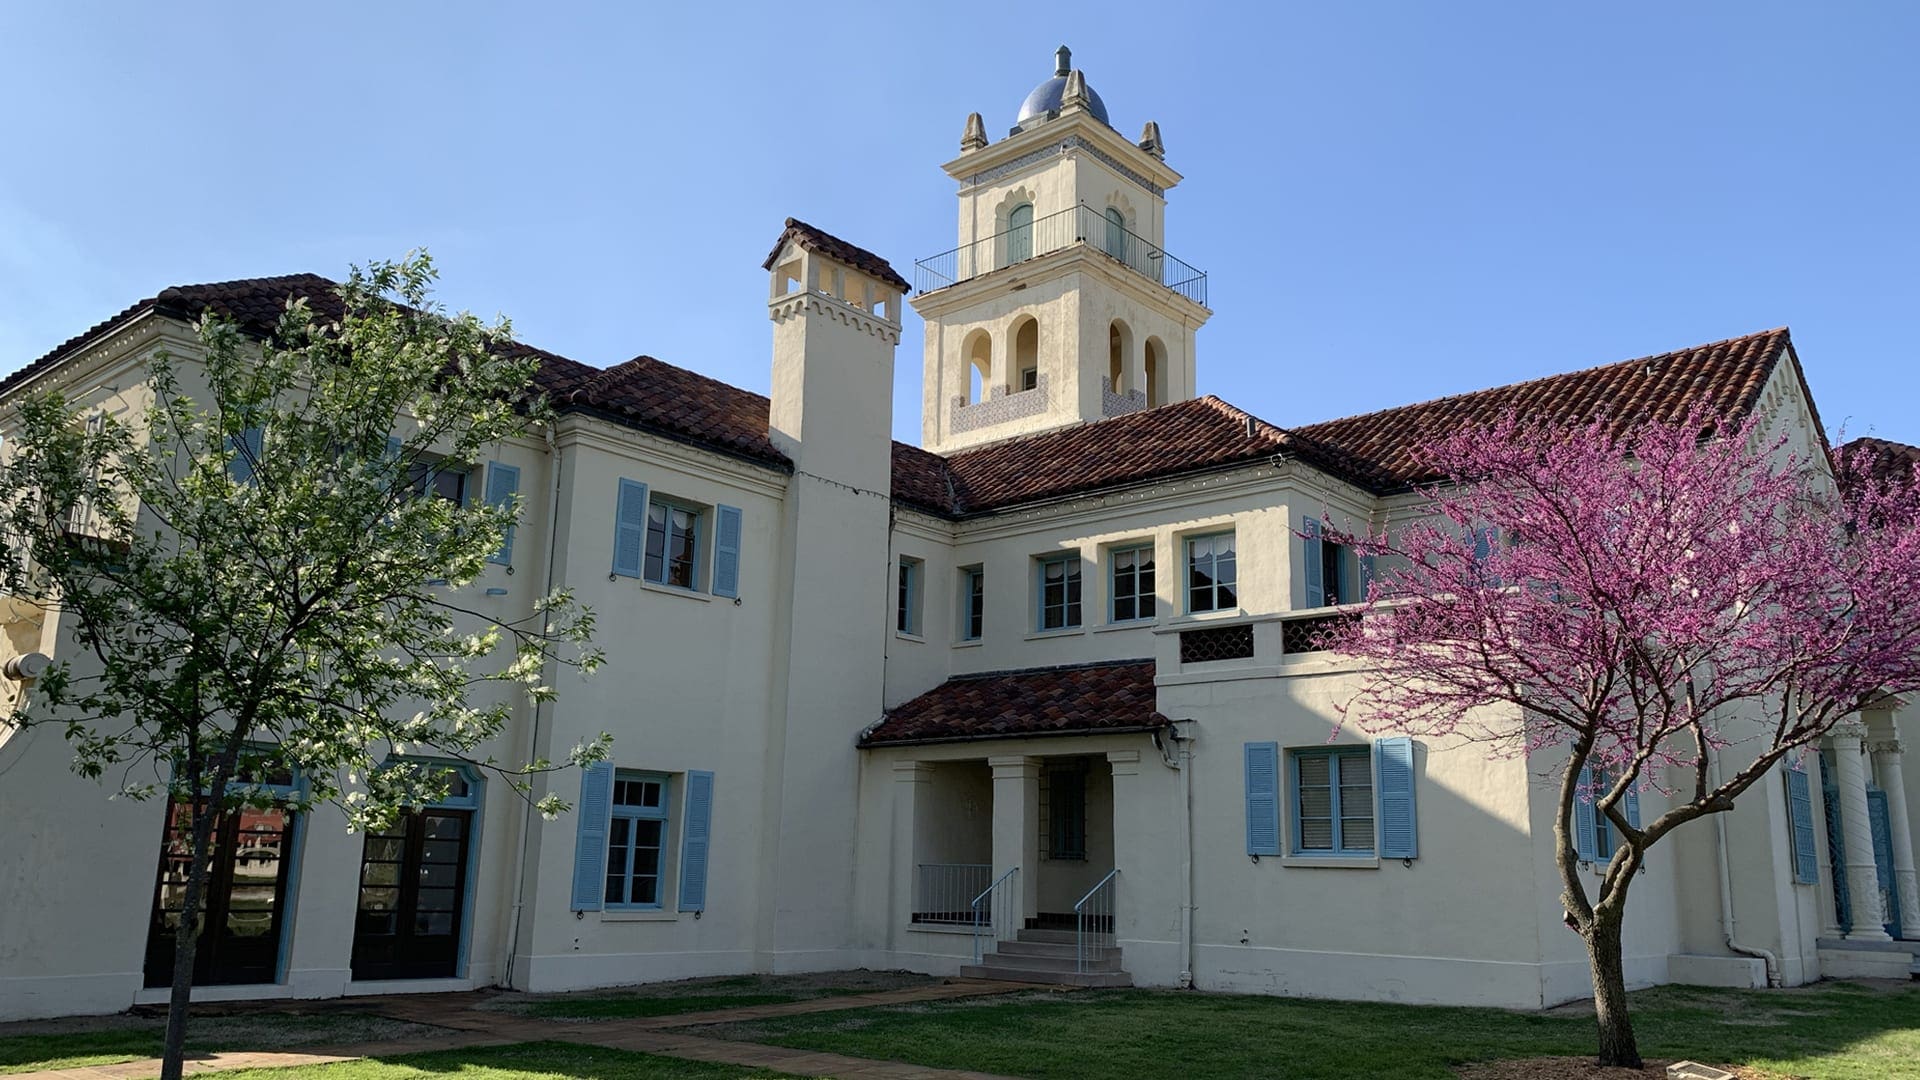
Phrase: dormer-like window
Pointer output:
(1116, 233)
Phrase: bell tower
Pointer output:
(1061, 304)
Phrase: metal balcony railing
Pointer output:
(1078, 226)
(943, 893)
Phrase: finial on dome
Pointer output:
(1075, 95)
(1062, 60)
(975, 136)
(1151, 142)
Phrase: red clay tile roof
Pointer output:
(1379, 451)
(825, 243)
(1886, 460)
(1082, 699)
(1383, 448)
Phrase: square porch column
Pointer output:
(912, 783)
(1016, 828)
(1887, 768)
(1863, 878)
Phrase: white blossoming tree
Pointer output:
(256, 579)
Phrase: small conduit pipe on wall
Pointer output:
(1771, 961)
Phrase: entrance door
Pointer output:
(413, 887)
(1883, 859)
(245, 899)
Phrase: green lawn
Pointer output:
(113, 1039)
(699, 995)
(524, 1061)
(1836, 1031)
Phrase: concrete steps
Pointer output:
(1047, 957)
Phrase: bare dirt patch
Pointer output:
(1579, 1068)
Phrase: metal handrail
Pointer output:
(979, 925)
(1096, 905)
(1076, 225)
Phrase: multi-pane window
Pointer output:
(636, 835)
(973, 603)
(1333, 801)
(673, 545)
(1059, 592)
(1212, 575)
(1133, 596)
(907, 616)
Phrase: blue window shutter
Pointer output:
(590, 838)
(630, 528)
(726, 551)
(1482, 545)
(1806, 866)
(1393, 780)
(247, 448)
(696, 841)
(1263, 798)
(1632, 810)
(1583, 838)
(1366, 577)
(503, 483)
(1315, 570)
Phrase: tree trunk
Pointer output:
(1617, 1045)
(186, 940)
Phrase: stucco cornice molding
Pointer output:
(577, 431)
(142, 334)
(782, 308)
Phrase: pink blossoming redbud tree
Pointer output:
(1677, 606)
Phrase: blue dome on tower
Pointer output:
(1045, 100)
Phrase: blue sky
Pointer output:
(1394, 200)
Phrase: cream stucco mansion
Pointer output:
(1043, 688)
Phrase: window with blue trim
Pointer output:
(673, 544)
(1059, 588)
(1213, 576)
(907, 618)
(636, 839)
(1332, 800)
(1132, 592)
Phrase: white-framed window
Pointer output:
(973, 603)
(1057, 590)
(673, 543)
(1130, 581)
(1213, 578)
(907, 603)
(637, 841)
(1332, 800)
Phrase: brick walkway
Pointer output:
(663, 1035)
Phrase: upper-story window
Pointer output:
(673, 544)
(1020, 233)
(907, 602)
(1330, 571)
(1132, 584)
(430, 479)
(973, 603)
(1212, 573)
(1116, 233)
(1059, 592)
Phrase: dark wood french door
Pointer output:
(413, 889)
(245, 903)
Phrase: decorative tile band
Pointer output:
(1112, 404)
(1001, 406)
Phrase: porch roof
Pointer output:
(1103, 698)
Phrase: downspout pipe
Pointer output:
(533, 728)
(1177, 754)
(1771, 961)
